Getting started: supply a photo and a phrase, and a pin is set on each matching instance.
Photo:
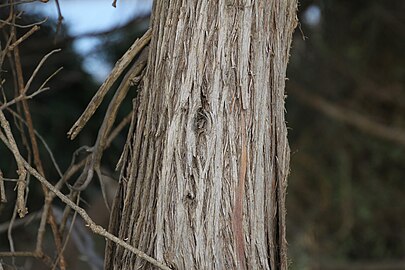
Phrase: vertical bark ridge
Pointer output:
(205, 180)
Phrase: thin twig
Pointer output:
(18, 254)
(66, 212)
(22, 173)
(60, 18)
(3, 198)
(42, 224)
(40, 90)
(37, 69)
(5, 51)
(24, 37)
(24, 26)
(72, 223)
(114, 133)
(47, 80)
(22, 97)
(127, 145)
(10, 179)
(41, 138)
(51, 156)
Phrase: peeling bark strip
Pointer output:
(204, 182)
(237, 217)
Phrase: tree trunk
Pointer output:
(204, 177)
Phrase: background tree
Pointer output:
(346, 113)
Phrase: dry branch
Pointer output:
(22, 88)
(119, 67)
(22, 173)
(3, 198)
(24, 37)
(23, 26)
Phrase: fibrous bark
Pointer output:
(205, 171)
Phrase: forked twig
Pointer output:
(40, 90)
(24, 37)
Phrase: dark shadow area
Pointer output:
(346, 113)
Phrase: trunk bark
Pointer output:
(205, 174)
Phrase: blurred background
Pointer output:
(345, 113)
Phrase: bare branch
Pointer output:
(37, 160)
(38, 67)
(60, 17)
(22, 173)
(41, 89)
(24, 26)
(119, 67)
(114, 133)
(24, 37)
(72, 223)
(23, 97)
(3, 198)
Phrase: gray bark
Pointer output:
(205, 175)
